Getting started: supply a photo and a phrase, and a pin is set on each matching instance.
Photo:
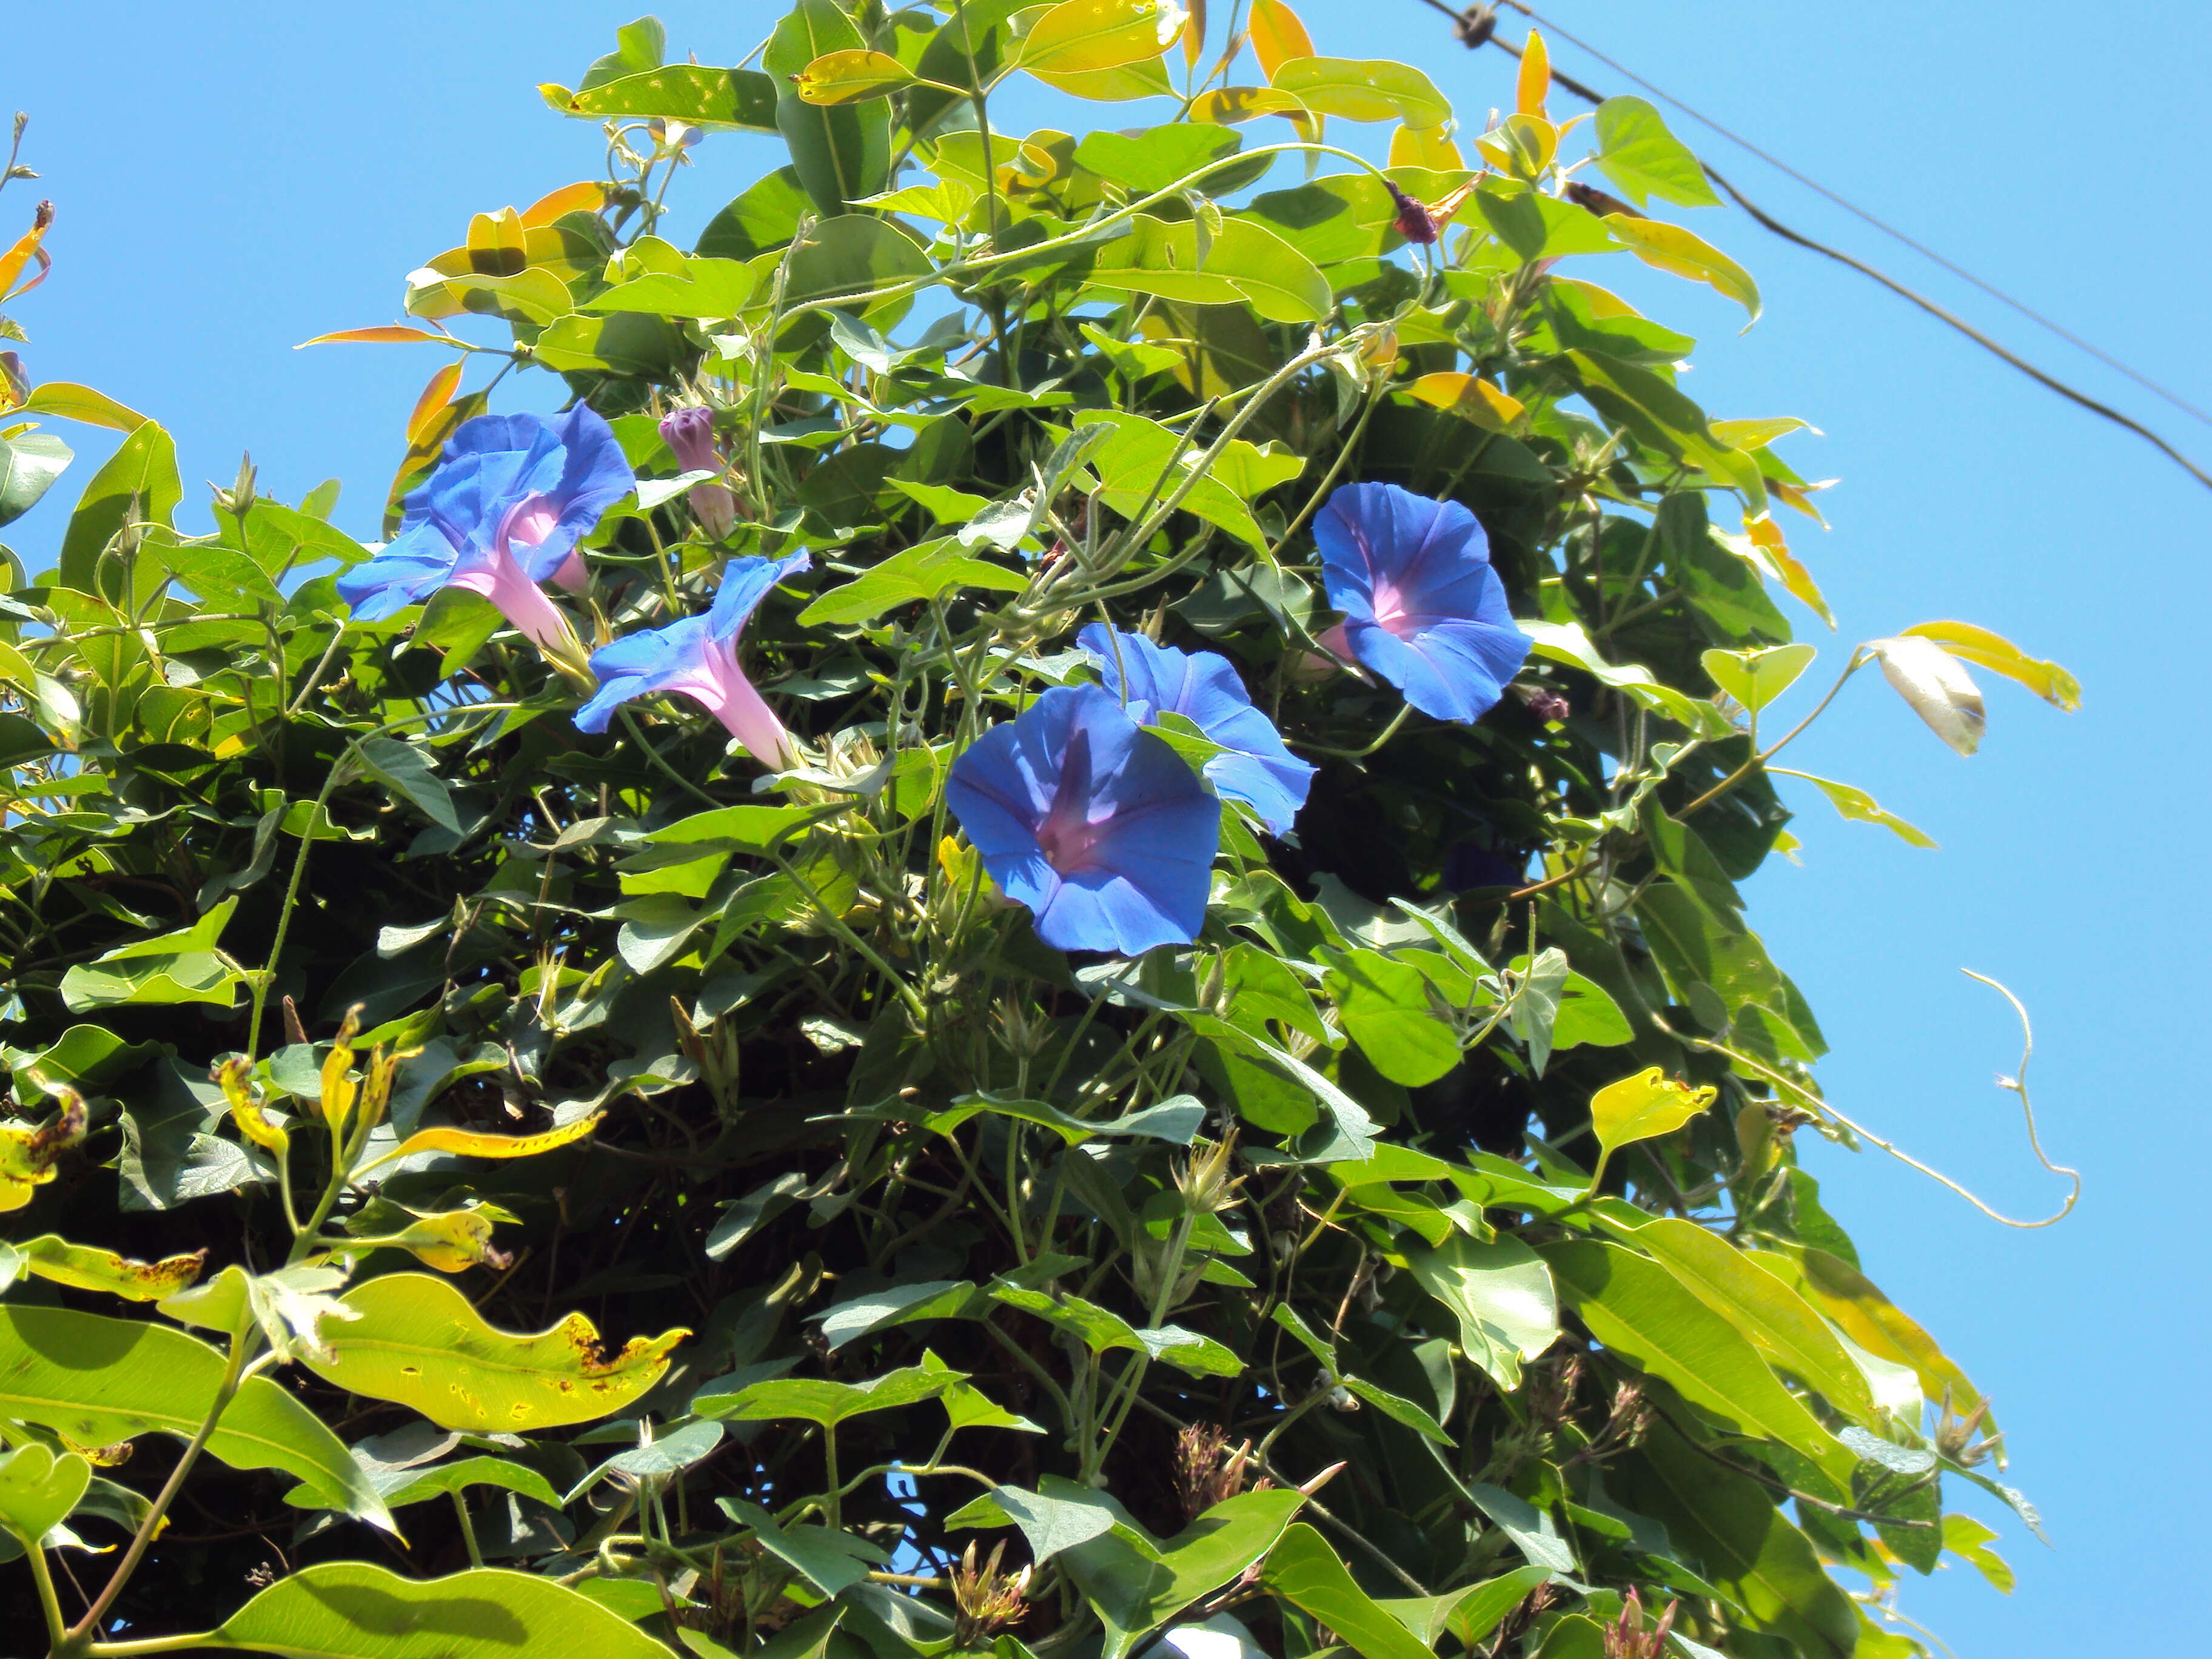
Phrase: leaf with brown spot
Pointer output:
(419, 1342)
(85, 1268)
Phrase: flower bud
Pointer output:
(690, 433)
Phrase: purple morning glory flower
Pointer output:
(1150, 680)
(1091, 821)
(511, 497)
(1422, 606)
(697, 656)
(689, 434)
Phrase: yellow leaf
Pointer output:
(432, 405)
(1077, 35)
(82, 1267)
(471, 1143)
(1193, 34)
(1800, 496)
(1638, 1107)
(1147, 79)
(338, 1085)
(25, 250)
(1470, 395)
(1427, 146)
(1278, 36)
(390, 335)
(416, 1340)
(589, 196)
(1766, 536)
(28, 1156)
(1534, 83)
(253, 1123)
(2001, 656)
(452, 1240)
(851, 77)
(1681, 253)
(80, 402)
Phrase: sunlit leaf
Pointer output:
(1683, 253)
(416, 1340)
(2001, 656)
(846, 77)
(1856, 804)
(355, 1610)
(1934, 686)
(1363, 89)
(1080, 35)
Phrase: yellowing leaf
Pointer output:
(430, 408)
(1468, 395)
(28, 1156)
(416, 1340)
(2001, 656)
(849, 77)
(587, 197)
(85, 1268)
(1766, 536)
(391, 335)
(1193, 34)
(1800, 496)
(1148, 78)
(1757, 434)
(1427, 146)
(1077, 35)
(1278, 36)
(1640, 1107)
(1534, 83)
(472, 1143)
(1936, 686)
(453, 1241)
(236, 1080)
(1682, 253)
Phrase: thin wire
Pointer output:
(1768, 221)
(1852, 207)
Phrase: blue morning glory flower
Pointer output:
(511, 497)
(1091, 821)
(1150, 680)
(1422, 606)
(697, 656)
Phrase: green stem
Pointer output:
(244, 1338)
(50, 1603)
(468, 1527)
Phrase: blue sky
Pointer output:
(232, 179)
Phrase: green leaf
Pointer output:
(1854, 803)
(1469, 1615)
(83, 1267)
(178, 967)
(844, 152)
(819, 1401)
(1638, 1309)
(1157, 157)
(1057, 1518)
(1756, 679)
(919, 574)
(1728, 1528)
(1136, 1586)
(404, 768)
(415, 1485)
(29, 463)
(843, 256)
(1780, 1323)
(1241, 261)
(1501, 1294)
(742, 98)
(138, 485)
(1567, 643)
(417, 1340)
(1363, 90)
(99, 1380)
(352, 1610)
(1970, 1540)
(1177, 1120)
(1389, 1010)
(1304, 1571)
(830, 1559)
(38, 1490)
(1143, 464)
(1644, 159)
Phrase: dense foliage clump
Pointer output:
(1032, 941)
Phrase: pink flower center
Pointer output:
(1067, 836)
(1390, 609)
